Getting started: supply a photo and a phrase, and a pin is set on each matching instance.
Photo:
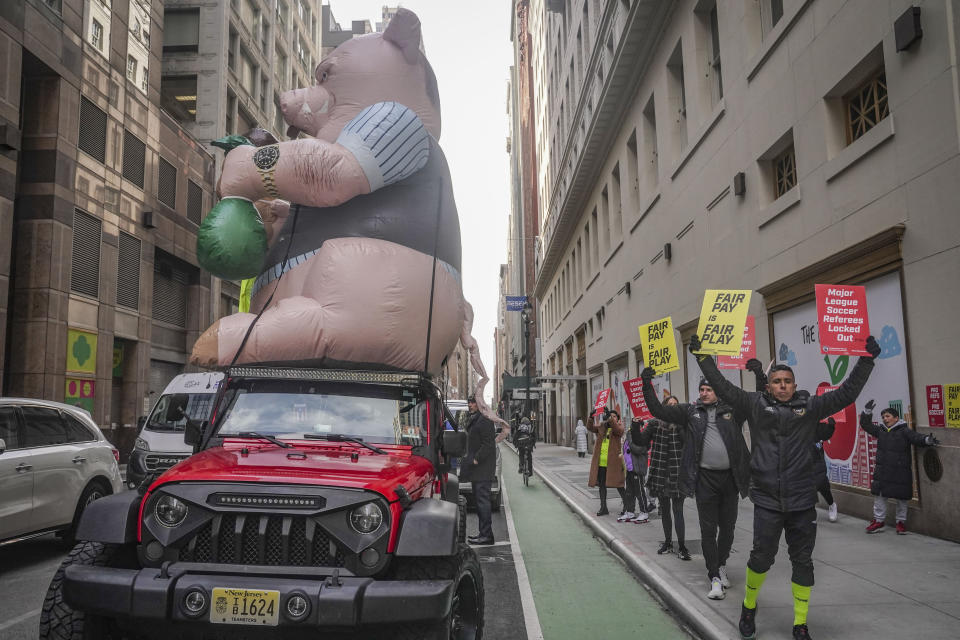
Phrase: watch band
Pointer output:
(265, 160)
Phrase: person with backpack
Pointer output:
(893, 474)
(525, 440)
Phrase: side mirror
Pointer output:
(454, 444)
(142, 420)
(3, 446)
(194, 432)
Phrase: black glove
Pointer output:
(647, 374)
(931, 441)
(755, 366)
(870, 405)
(873, 347)
(694, 343)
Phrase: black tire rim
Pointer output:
(465, 611)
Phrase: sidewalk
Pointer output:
(867, 586)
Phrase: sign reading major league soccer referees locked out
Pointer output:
(842, 319)
(658, 345)
(601, 401)
(722, 318)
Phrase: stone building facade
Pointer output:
(765, 145)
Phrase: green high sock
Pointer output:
(754, 582)
(801, 603)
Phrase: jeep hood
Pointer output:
(340, 465)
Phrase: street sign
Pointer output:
(516, 303)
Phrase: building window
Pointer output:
(178, 96)
(715, 54)
(194, 202)
(775, 10)
(85, 265)
(866, 106)
(128, 272)
(181, 30)
(232, 51)
(134, 158)
(652, 170)
(131, 68)
(144, 79)
(282, 12)
(784, 172)
(167, 184)
(678, 93)
(93, 130)
(96, 35)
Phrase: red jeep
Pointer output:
(318, 504)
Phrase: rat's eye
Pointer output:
(323, 76)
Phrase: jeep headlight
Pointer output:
(141, 444)
(170, 512)
(366, 518)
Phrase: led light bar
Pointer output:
(331, 375)
(265, 501)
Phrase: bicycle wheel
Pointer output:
(526, 476)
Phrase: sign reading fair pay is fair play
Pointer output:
(722, 319)
(658, 345)
(842, 319)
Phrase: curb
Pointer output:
(704, 627)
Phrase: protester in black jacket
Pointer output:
(715, 468)
(893, 474)
(480, 468)
(784, 424)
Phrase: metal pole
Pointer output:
(526, 348)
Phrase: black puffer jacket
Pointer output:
(893, 475)
(782, 435)
(481, 448)
(693, 417)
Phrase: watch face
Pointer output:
(266, 157)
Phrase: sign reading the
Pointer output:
(722, 318)
(515, 303)
(842, 319)
(634, 389)
(658, 345)
(935, 412)
(748, 348)
(601, 401)
(952, 392)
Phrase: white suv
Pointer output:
(54, 461)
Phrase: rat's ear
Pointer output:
(404, 31)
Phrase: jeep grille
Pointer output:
(261, 539)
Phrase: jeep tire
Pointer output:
(464, 621)
(60, 622)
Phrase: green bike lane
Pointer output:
(579, 588)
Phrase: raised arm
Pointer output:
(866, 420)
(725, 390)
(675, 414)
(644, 435)
(833, 401)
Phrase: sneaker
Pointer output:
(683, 554)
(748, 623)
(800, 632)
(832, 512)
(724, 580)
(874, 526)
(642, 518)
(603, 512)
(716, 590)
(901, 528)
(665, 547)
(624, 517)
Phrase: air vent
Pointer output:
(167, 184)
(128, 272)
(194, 202)
(134, 158)
(93, 130)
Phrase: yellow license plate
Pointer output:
(245, 606)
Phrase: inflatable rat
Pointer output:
(367, 258)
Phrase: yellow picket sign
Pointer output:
(659, 346)
(722, 318)
(952, 394)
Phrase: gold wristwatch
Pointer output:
(265, 160)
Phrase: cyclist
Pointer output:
(525, 440)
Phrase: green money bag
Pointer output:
(231, 241)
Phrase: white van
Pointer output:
(160, 444)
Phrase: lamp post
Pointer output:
(527, 320)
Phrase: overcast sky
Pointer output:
(468, 45)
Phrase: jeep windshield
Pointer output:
(173, 409)
(297, 410)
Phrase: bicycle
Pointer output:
(526, 463)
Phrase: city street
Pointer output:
(546, 577)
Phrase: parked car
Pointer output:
(160, 445)
(54, 461)
(459, 410)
